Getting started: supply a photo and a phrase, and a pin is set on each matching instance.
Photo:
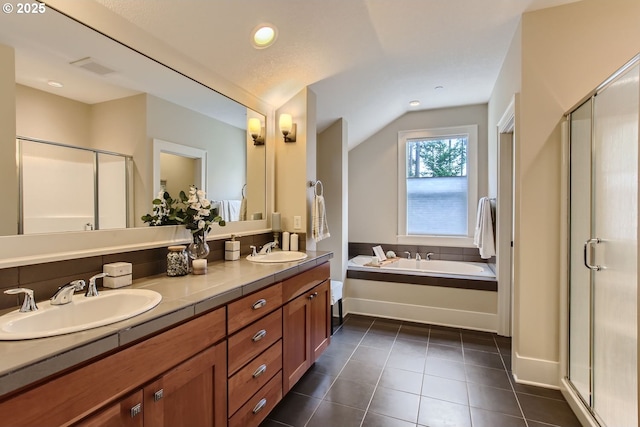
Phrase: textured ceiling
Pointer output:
(365, 59)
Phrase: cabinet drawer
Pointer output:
(253, 340)
(247, 309)
(304, 281)
(248, 380)
(258, 407)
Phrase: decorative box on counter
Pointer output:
(119, 274)
(232, 249)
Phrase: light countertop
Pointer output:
(23, 362)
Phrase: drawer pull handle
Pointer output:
(260, 405)
(158, 395)
(136, 410)
(261, 370)
(313, 295)
(259, 304)
(259, 335)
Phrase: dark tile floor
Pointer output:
(383, 373)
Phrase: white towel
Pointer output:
(483, 236)
(320, 229)
(230, 210)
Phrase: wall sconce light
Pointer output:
(256, 131)
(288, 128)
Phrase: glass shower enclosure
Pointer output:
(603, 250)
(66, 188)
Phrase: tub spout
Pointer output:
(428, 256)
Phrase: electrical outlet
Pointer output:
(297, 222)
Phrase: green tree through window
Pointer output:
(437, 157)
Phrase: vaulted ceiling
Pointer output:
(365, 59)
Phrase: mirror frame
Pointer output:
(200, 156)
(17, 250)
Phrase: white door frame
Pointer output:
(505, 219)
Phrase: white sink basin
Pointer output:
(278, 256)
(79, 315)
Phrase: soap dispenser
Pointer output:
(232, 249)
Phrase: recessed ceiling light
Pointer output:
(264, 35)
(414, 103)
(54, 83)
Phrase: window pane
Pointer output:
(437, 186)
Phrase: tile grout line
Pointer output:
(342, 369)
(509, 376)
(375, 388)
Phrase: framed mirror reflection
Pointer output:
(76, 87)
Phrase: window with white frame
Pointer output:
(437, 181)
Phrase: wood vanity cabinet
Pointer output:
(255, 356)
(187, 362)
(229, 367)
(306, 322)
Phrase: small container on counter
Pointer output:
(177, 261)
(294, 242)
(199, 266)
(285, 241)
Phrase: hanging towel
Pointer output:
(243, 209)
(483, 236)
(320, 229)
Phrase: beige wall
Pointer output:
(332, 160)
(8, 176)
(373, 170)
(49, 117)
(566, 52)
(295, 163)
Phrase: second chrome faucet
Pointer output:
(64, 294)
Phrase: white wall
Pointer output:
(373, 170)
(566, 52)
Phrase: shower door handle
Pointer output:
(587, 253)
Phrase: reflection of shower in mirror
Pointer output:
(66, 188)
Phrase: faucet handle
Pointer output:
(92, 290)
(253, 250)
(29, 303)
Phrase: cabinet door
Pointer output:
(296, 343)
(192, 394)
(320, 319)
(124, 413)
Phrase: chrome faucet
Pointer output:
(408, 254)
(65, 293)
(253, 250)
(92, 290)
(428, 256)
(418, 257)
(267, 247)
(29, 303)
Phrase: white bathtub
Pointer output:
(436, 268)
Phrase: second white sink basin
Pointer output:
(278, 256)
(79, 315)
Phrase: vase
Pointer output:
(198, 248)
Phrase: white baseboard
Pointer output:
(422, 314)
(537, 372)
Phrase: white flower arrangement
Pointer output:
(197, 214)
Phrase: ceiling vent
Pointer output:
(91, 65)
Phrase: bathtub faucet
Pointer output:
(418, 257)
(408, 254)
(428, 256)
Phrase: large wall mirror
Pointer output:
(77, 87)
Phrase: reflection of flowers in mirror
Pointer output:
(199, 213)
(194, 211)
